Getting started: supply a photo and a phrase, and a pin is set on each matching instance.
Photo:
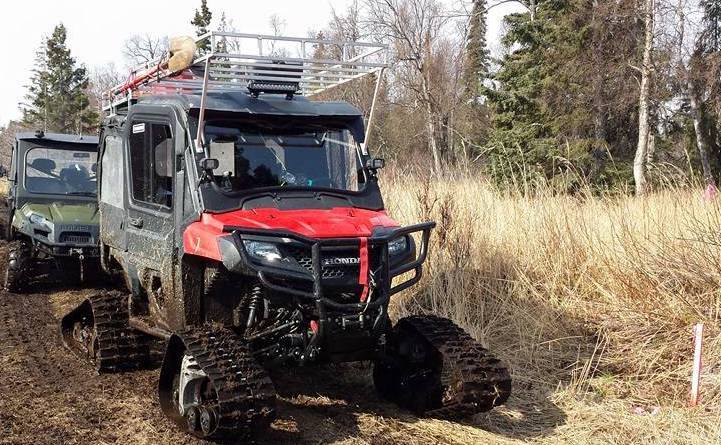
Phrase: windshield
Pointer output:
(252, 157)
(61, 171)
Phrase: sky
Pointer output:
(98, 29)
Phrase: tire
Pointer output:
(18, 268)
(434, 368)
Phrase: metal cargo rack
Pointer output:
(236, 61)
(256, 64)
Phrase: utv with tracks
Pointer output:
(52, 220)
(248, 225)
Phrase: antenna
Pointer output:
(45, 89)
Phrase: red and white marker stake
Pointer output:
(696, 375)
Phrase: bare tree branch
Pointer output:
(144, 48)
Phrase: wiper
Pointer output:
(81, 193)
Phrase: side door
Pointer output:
(111, 198)
(151, 134)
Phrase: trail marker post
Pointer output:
(696, 374)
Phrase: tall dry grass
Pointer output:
(590, 300)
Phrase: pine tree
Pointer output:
(476, 63)
(201, 21)
(712, 24)
(223, 26)
(57, 95)
(37, 97)
(543, 120)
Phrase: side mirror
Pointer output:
(207, 164)
(375, 163)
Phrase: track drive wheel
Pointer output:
(435, 369)
(18, 268)
(98, 331)
(212, 387)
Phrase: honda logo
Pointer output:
(340, 261)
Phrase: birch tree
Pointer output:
(641, 159)
(414, 28)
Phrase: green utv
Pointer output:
(52, 210)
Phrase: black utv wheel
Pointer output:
(18, 266)
(436, 369)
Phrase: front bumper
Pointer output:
(343, 329)
(66, 250)
(284, 280)
(63, 240)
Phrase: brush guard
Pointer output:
(380, 279)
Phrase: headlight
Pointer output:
(38, 219)
(262, 251)
(398, 245)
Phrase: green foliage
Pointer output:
(201, 21)
(57, 96)
(475, 69)
(712, 24)
(554, 108)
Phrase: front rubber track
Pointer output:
(435, 369)
(243, 400)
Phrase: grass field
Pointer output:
(590, 300)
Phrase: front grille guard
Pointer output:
(382, 278)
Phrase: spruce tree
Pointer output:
(476, 63)
(223, 26)
(57, 98)
(37, 97)
(712, 24)
(544, 94)
(201, 21)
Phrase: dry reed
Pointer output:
(590, 300)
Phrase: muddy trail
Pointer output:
(50, 396)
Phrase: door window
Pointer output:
(151, 163)
(111, 190)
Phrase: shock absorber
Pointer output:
(256, 300)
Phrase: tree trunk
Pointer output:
(639, 162)
(701, 141)
(432, 142)
(532, 9)
(599, 152)
(431, 126)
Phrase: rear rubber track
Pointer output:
(113, 346)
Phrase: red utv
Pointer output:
(249, 228)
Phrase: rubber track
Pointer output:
(120, 347)
(246, 396)
(473, 380)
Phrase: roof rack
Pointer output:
(258, 64)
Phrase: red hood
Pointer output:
(340, 222)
